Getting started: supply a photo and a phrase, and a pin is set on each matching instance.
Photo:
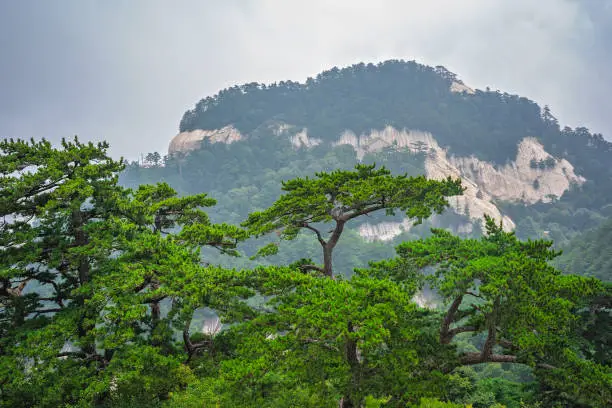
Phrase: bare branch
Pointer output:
(445, 337)
(143, 285)
(507, 344)
(306, 268)
(84, 356)
(54, 310)
(363, 211)
(463, 329)
(491, 321)
(316, 231)
(478, 358)
(473, 294)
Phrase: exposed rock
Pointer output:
(301, 139)
(520, 180)
(523, 180)
(187, 141)
(413, 140)
(461, 87)
(517, 181)
(474, 202)
(388, 230)
(383, 231)
(279, 128)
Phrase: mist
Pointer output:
(126, 71)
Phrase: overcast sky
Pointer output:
(125, 71)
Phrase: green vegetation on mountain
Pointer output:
(127, 286)
(485, 124)
(108, 297)
(341, 196)
(247, 175)
(364, 97)
(403, 94)
(590, 254)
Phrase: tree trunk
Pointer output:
(445, 337)
(80, 240)
(329, 247)
(327, 262)
(345, 402)
(353, 361)
(155, 316)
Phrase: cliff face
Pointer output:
(187, 141)
(533, 176)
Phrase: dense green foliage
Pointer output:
(108, 297)
(246, 177)
(341, 196)
(364, 97)
(404, 95)
(590, 253)
(488, 124)
(90, 277)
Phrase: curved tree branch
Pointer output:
(316, 231)
(306, 268)
(445, 336)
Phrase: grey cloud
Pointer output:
(125, 71)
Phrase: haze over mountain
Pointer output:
(518, 163)
(124, 71)
(325, 204)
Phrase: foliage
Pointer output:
(86, 267)
(486, 124)
(105, 292)
(358, 337)
(525, 309)
(367, 96)
(341, 196)
(590, 253)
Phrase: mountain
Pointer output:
(590, 253)
(516, 162)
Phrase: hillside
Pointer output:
(486, 124)
(518, 165)
(590, 253)
(314, 247)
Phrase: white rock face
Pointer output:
(279, 128)
(437, 166)
(384, 231)
(459, 87)
(387, 231)
(517, 181)
(301, 139)
(298, 140)
(413, 140)
(187, 141)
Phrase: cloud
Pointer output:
(126, 71)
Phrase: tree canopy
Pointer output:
(108, 298)
(341, 196)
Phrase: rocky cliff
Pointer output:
(533, 176)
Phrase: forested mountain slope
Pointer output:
(590, 253)
(517, 163)
(267, 262)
